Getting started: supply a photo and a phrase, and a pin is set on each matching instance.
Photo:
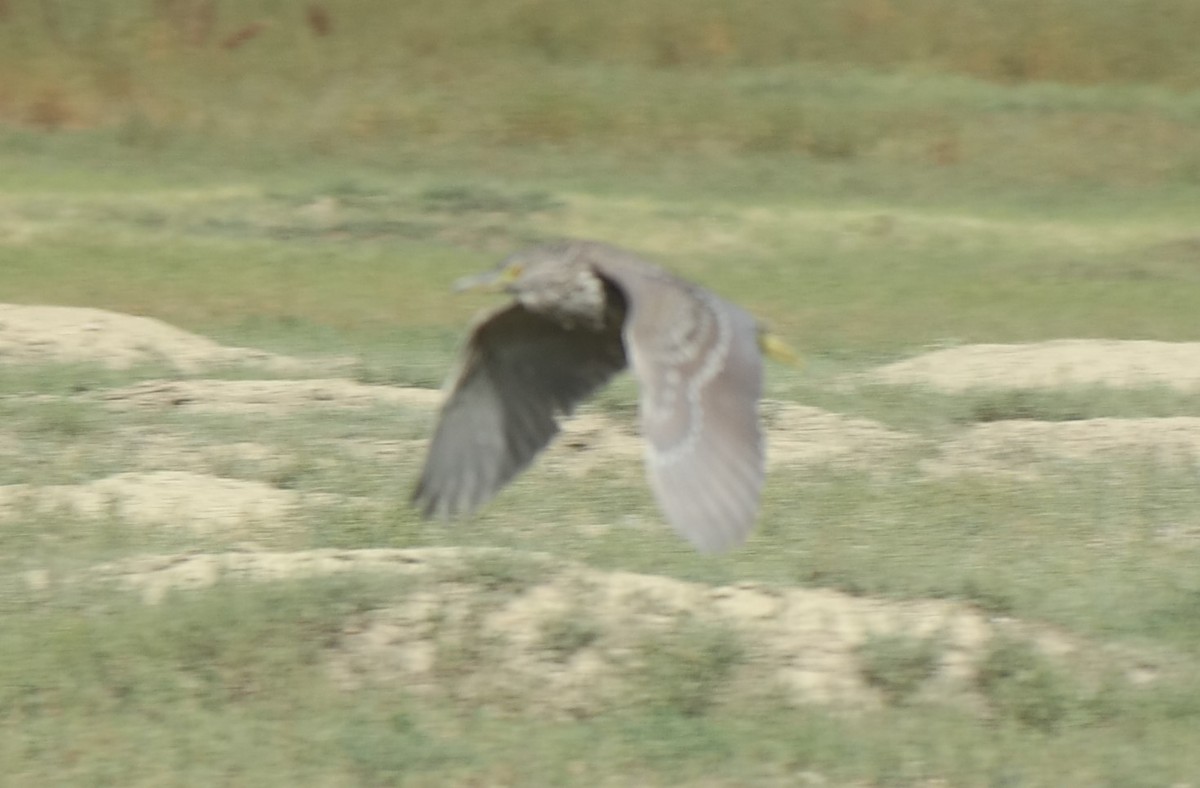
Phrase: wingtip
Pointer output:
(418, 500)
(428, 505)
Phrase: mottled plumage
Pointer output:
(582, 312)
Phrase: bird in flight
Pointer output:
(582, 311)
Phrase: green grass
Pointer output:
(898, 664)
(566, 634)
(108, 690)
(683, 669)
(1082, 550)
(284, 279)
(871, 177)
(214, 682)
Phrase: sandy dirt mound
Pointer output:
(589, 440)
(801, 435)
(61, 334)
(172, 498)
(575, 642)
(802, 642)
(805, 640)
(264, 396)
(1018, 446)
(1063, 362)
(521, 630)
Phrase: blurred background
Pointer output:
(976, 561)
(463, 129)
(1021, 90)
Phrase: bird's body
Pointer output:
(565, 289)
(583, 311)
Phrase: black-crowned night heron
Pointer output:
(583, 310)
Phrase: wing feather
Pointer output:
(697, 359)
(520, 371)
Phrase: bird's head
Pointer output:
(531, 267)
(497, 280)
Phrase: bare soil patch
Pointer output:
(60, 334)
(1057, 363)
(802, 435)
(592, 439)
(162, 498)
(576, 643)
(457, 632)
(799, 642)
(1019, 446)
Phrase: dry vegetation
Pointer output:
(639, 78)
(976, 563)
(273, 583)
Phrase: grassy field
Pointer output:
(872, 178)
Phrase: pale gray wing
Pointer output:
(520, 370)
(697, 359)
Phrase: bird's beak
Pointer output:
(492, 281)
(489, 280)
(775, 348)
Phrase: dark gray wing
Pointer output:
(697, 359)
(520, 370)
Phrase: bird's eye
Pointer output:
(513, 272)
